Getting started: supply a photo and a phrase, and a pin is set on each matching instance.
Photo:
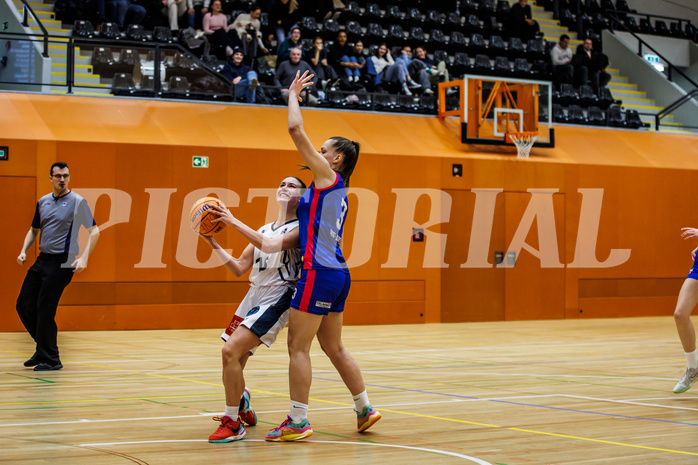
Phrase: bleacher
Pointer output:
(467, 35)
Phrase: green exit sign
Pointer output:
(4, 153)
(5, 26)
(199, 162)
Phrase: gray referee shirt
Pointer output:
(59, 219)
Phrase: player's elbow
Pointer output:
(295, 129)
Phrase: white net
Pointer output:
(523, 143)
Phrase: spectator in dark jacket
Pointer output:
(241, 75)
(286, 73)
(283, 15)
(520, 21)
(592, 66)
(293, 41)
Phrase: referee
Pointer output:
(59, 216)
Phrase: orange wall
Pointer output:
(141, 149)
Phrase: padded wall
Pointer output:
(133, 160)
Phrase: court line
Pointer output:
(344, 443)
(631, 402)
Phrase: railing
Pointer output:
(614, 20)
(25, 22)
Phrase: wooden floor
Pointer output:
(537, 392)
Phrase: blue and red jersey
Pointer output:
(321, 215)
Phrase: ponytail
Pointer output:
(350, 155)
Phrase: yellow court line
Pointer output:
(604, 442)
(395, 411)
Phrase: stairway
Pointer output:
(85, 81)
(620, 87)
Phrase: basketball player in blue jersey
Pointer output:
(321, 291)
(263, 313)
(688, 298)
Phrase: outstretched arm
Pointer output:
(323, 175)
(286, 241)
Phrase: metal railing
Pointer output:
(614, 21)
(26, 9)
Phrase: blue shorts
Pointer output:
(321, 291)
(693, 274)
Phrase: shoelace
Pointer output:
(286, 421)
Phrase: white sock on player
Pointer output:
(298, 411)
(232, 412)
(692, 359)
(361, 401)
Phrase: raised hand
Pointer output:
(689, 233)
(300, 83)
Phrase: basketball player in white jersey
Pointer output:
(263, 313)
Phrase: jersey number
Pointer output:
(342, 215)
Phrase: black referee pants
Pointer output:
(38, 300)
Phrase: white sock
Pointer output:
(299, 411)
(361, 401)
(692, 359)
(232, 412)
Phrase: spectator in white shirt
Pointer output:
(561, 55)
(249, 30)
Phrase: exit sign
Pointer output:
(4, 153)
(199, 162)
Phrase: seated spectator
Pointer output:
(391, 71)
(367, 72)
(196, 13)
(123, 9)
(592, 66)
(215, 27)
(243, 77)
(283, 16)
(416, 69)
(342, 57)
(435, 71)
(286, 73)
(174, 9)
(520, 21)
(561, 56)
(293, 41)
(324, 73)
(249, 31)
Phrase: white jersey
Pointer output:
(278, 268)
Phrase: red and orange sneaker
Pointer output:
(247, 414)
(367, 418)
(229, 430)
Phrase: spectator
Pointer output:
(592, 66)
(520, 21)
(293, 41)
(249, 31)
(342, 57)
(391, 71)
(367, 72)
(435, 71)
(324, 73)
(283, 15)
(123, 9)
(241, 75)
(286, 73)
(215, 27)
(416, 69)
(175, 9)
(561, 56)
(197, 12)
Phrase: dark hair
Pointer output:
(300, 181)
(350, 155)
(563, 37)
(253, 7)
(60, 165)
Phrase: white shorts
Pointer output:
(264, 311)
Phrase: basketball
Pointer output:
(201, 216)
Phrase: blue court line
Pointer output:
(518, 403)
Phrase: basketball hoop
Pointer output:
(523, 142)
